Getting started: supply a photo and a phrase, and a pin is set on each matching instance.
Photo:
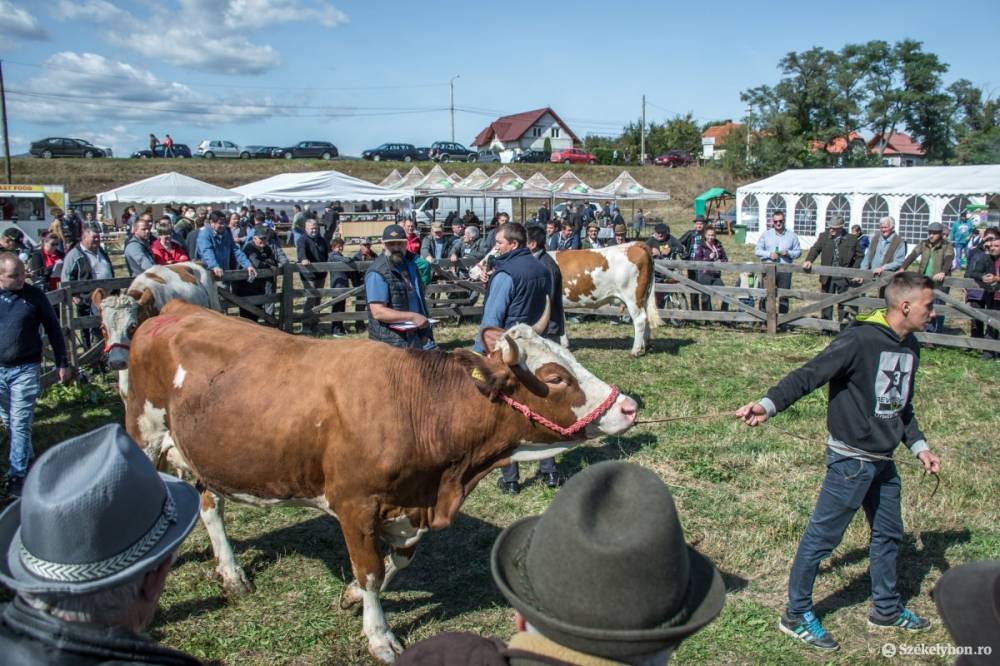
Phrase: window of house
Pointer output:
(805, 216)
(555, 132)
(914, 217)
(750, 212)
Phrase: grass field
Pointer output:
(744, 496)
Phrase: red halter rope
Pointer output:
(123, 345)
(565, 431)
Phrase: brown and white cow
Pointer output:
(360, 441)
(592, 278)
(144, 298)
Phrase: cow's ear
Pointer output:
(97, 296)
(147, 297)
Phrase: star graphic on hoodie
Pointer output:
(896, 378)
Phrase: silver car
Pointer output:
(212, 148)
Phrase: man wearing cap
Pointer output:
(87, 549)
(663, 245)
(835, 248)
(691, 240)
(311, 248)
(621, 235)
(434, 248)
(23, 310)
(261, 256)
(934, 258)
(603, 576)
(592, 242)
(397, 314)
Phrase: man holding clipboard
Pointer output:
(397, 314)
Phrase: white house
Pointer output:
(526, 131)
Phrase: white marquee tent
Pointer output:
(166, 188)
(317, 187)
(913, 196)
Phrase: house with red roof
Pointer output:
(525, 131)
(712, 138)
(900, 150)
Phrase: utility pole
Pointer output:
(749, 118)
(452, 84)
(642, 133)
(3, 121)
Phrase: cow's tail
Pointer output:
(652, 312)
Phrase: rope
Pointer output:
(565, 431)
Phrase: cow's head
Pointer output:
(547, 379)
(120, 316)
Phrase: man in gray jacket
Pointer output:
(138, 255)
(887, 251)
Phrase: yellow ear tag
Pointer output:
(478, 375)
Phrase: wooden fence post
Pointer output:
(771, 300)
(287, 296)
(69, 314)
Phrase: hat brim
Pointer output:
(706, 596)
(15, 576)
(966, 598)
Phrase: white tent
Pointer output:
(317, 187)
(166, 188)
(569, 186)
(436, 179)
(538, 182)
(627, 187)
(913, 196)
(390, 180)
(412, 177)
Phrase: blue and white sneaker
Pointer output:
(907, 620)
(809, 630)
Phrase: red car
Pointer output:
(674, 158)
(572, 156)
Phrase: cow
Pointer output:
(592, 278)
(144, 298)
(209, 394)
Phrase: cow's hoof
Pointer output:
(235, 583)
(385, 648)
(637, 354)
(350, 598)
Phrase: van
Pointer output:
(437, 209)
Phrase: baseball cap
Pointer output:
(393, 232)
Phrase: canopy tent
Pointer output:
(317, 187)
(166, 188)
(473, 181)
(569, 186)
(718, 194)
(409, 181)
(391, 180)
(436, 179)
(538, 182)
(454, 178)
(914, 196)
(627, 187)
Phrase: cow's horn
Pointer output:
(543, 321)
(511, 353)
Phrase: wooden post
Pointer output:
(69, 333)
(287, 296)
(771, 300)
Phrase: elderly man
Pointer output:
(87, 550)
(777, 245)
(592, 242)
(138, 253)
(87, 261)
(887, 251)
(871, 370)
(434, 248)
(835, 248)
(935, 258)
(217, 249)
(24, 309)
(602, 577)
(397, 314)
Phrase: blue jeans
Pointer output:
(19, 386)
(851, 483)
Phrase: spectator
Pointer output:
(261, 256)
(311, 248)
(691, 239)
(170, 214)
(153, 143)
(568, 237)
(24, 309)
(620, 235)
(236, 229)
(616, 217)
(87, 551)
(397, 314)
(217, 250)
(967, 598)
(976, 297)
(638, 224)
(185, 225)
(473, 247)
(127, 218)
(340, 280)
(984, 268)
(603, 576)
(199, 222)
(56, 234)
(934, 259)
(434, 248)
(835, 248)
(551, 236)
(165, 249)
(863, 240)
(592, 242)
(52, 259)
(70, 230)
(412, 238)
(138, 253)
(960, 234)
(298, 225)
(87, 261)
(365, 252)
(12, 240)
(663, 245)
(544, 215)
(710, 249)
(501, 219)
(870, 369)
(168, 147)
(779, 246)
(887, 252)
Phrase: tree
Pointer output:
(680, 132)
(547, 145)
(926, 109)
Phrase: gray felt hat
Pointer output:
(605, 570)
(93, 514)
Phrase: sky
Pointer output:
(275, 72)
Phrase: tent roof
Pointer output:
(318, 186)
(436, 179)
(473, 181)
(171, 187)
(627, 187)
(390, 180)
(538, 181)
(412, 177)
(713, 193)
(569, 185)
(455, 178)
(943, 180)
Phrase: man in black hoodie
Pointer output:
(870, 368)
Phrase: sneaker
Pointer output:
(906, 620)
(508, 487)
(809, 630)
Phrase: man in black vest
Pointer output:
(312, 249)
(397, 314)
(838, 249)
(518, 292)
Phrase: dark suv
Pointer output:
(406, 152)
(446, 151)
(315, 149)
(61, 147)
(532, 156)
(180, 150)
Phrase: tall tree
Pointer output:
(926, 109)
(883, 85)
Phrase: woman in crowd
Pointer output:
(52, 260)
(165, 249)
(710, 249)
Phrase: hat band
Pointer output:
(83, 573)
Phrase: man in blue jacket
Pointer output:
(870, 368)
(217, 249)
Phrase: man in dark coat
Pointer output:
(312, 249)
(835, 248)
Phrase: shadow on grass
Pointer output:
(670, 346)
(614, 448)
(912, 565)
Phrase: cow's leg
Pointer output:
(640, 328)
(234, 581)
(361, 529)
(397, 560)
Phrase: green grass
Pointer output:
(744, 496)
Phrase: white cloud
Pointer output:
(219, 53)
(255, 14)
(17, 22)
(93, 11)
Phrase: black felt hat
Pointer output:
(968, 599)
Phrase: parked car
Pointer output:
(406, 152)
(63, 147)
(212, 148)
(263, 152)
(447, 151)
(532, 156)
(488, 156)
(315, 149)
(674, 158)
(181, 150)
(572, 156)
